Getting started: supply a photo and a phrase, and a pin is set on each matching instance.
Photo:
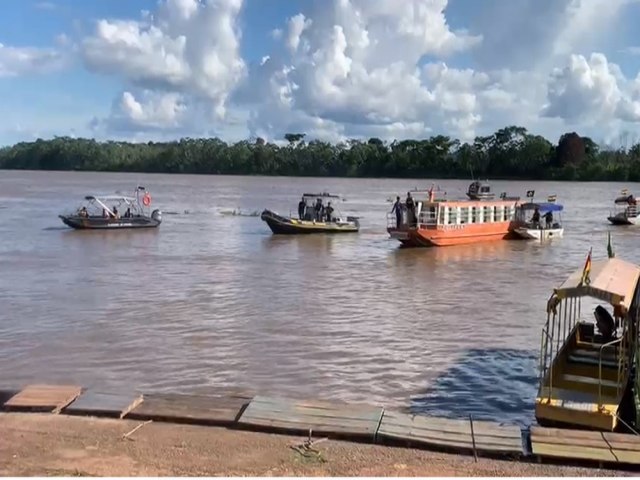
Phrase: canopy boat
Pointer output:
(625, 210)
(442, 222)
(585, 364)
(480, 190)
(314, 216)
(545, 228)
(108, 212)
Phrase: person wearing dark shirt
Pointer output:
(548, 219)
(328, 212)
(302, 207)
(397, 209)
(535, 219)
(411, 207)
(318, 207)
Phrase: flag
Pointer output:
(551, 198)
(585, 280)
(530, 193)
(610, 248)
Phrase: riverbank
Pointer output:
(60, 445)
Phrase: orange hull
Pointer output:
(445, 236)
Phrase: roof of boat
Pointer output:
(320, 195)
(545, 207)
(612, 280)
(109, 198)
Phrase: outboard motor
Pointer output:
(157, 215)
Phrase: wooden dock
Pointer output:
(323, 418)
(103, 404)
(43, 398)
(373, 424)
(600, 447)
(221, 410)
(450, 434)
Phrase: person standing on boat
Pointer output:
(302, 208)
(397, 209)
(411, 207)
(548, 219)
(328, 212)
(318, 209)
(535, 219)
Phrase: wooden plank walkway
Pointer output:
(221, 410)
(451, 434)
(101, 404)
(585, 445)
(299, 416)
(43, 398)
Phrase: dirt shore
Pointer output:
(59, 445)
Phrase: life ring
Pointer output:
(146, 200)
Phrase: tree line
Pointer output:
(511, 152)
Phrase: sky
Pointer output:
(145, 70)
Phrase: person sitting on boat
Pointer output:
(302, 208)
(535, 219)
(115, 212)
(127, 214)
(319, 208)
(328, 212)
(548, 219)
(83, 212)
(411, 207)
(397, 208)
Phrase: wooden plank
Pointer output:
(193, 409)
(299, 416)
(43, 398)
(102, 404)
(585, 445)
(440, 432)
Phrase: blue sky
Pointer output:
(332, 68)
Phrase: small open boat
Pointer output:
(109, 212)
(313, 217)
(545, 227)
(587, 356)
(625, 210)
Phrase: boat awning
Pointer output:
(110, 198)
(612, 280)
(544, 207)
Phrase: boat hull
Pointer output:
(280, 225)
(622, 220)
(99, 223)
(450, 235)
(538, 233)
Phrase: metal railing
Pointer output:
(602, 347)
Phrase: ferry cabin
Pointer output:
(454, 222)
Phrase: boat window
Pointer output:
(463, 214)
(474, 215)
(505, 214)
(487, 214)
(453, 215)
(484, 189)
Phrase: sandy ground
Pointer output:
(59, 445)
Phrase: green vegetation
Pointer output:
(509, 153)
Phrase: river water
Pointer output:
(211, 300)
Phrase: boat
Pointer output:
(312, 219)
(480, 190)
(442, 222)
(546, 228)
(625, 210)
(112, 212)
(586, 355)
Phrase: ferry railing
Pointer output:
(602, 347)
(428, 218)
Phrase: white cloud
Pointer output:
(46, 6)
(149, 111)
(186, 46)
(17, 61)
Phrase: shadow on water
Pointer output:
(490, 384)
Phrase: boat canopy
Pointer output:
(320, 195)
(612, 280)
(544, 207)
(110, 198)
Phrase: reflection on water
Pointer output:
(209, 300)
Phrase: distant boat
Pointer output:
(525, 228)
(480, 190)
(442, 222)
(625, 210)
(314, 218)
(112, 212)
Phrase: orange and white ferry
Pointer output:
(442, 222)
